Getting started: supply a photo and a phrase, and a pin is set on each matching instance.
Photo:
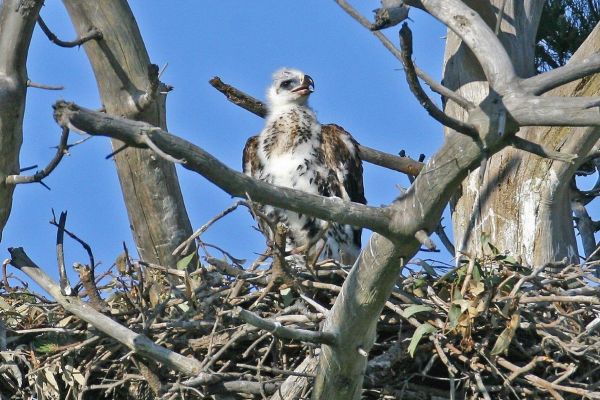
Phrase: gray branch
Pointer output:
(570, 72)
(257, 107)
(232, 182)
(17, 20)
(136, 342)
(283, 332)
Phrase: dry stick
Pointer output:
(137, 343)
(285, 333)
(275, 370)
(39, 175)
(435, 86)
(417, 90)
(544, 384)
(185, 244)
(65, 286)
(92, 34)
(386, 160)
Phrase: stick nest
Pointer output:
(490, 328)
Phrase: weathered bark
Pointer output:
(17, 20)
(150, 186)
(522, 202)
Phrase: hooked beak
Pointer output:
(306, 87)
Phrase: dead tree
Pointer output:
(485, 126)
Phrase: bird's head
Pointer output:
(290, 86)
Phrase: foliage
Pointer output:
(564, 26)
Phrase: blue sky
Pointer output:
(359, 85)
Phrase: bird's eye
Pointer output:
(286, 84)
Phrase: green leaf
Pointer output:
(453, 314)
(416, 308)
(185, 261)
(422, 330)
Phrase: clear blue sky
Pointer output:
(359, 85)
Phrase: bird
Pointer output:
(295, 151)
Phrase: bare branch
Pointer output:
(424, 100)
(538, 149)
(249, 103)
(553, 111)
(240, 98)
(91, 35)
(65, 286)
(41, 86)
(233, 182)
(285, 333)
(435, 86)
(570, 72)
(40, 175)
(478, 36)
(137, 343)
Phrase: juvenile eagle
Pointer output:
(295, 151)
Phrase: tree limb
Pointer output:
(233, 182)
(91, 35)
(570, 72)
(417, 90)
(538, 149)
(40, 175)
(136, 342)
(282, 332)
(257, 107)
(17, 20)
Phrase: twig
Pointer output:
(39, 175)
(417, 90)
(275, 370)
(435, 86)
(92, 34)
(185, 244)
(285, 333)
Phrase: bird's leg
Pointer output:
(280, 272)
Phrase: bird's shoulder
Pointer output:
(250, 160)
(341, 151)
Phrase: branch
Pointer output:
(91, 35)
(240, 98)
(232, 182)
(435, 86)
(538, 149)
(282, 332)
(424, 100)
(553, 111)
(40, 175)
(478, 36)
(249, 103)
(570, 72)
(137, 343)
(65, 286)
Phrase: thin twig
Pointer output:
(91, 35)
(39, 175)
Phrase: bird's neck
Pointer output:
(278, 110)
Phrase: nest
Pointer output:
(489, 328)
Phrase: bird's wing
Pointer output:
(341, 154)
(250, 162)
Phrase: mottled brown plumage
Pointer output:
(295, 151)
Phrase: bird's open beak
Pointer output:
(307, 86)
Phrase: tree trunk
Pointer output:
(17, 20)
(522, 203)
(157, 214)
